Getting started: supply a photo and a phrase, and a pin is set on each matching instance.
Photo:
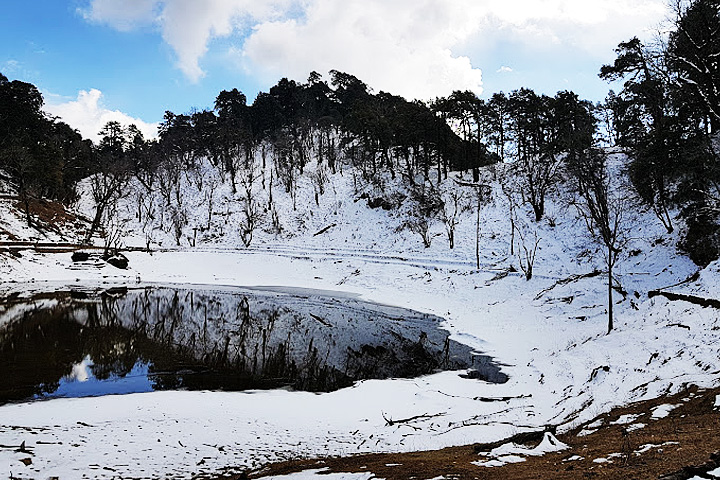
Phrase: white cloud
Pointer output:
(123, 15)
(592, 26)
(187, 25)
(504, 69)
(400, 46)
(88, 115)
(409, 47)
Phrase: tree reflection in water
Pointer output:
(217, 339)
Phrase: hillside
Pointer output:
(548, 333)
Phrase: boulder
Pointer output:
(118, 261)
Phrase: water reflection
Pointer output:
(82, 381)
(78, 343)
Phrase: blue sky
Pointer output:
(131, 60)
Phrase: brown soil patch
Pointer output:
(687, 436)
(52, 216)
(48, 212)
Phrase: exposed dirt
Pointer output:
(687, 436)
(48, 212)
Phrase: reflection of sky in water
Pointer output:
(81, 382)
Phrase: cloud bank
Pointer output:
(88, 115)
(417, 48)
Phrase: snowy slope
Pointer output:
(549, 334)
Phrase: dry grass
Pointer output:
(688, 436)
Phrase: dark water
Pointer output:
(84, 343)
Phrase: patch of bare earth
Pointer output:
(51, 215)
(642, 445)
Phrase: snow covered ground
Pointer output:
(549, 335)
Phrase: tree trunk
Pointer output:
(512, 233)
(539, 210)
(477, 235)
(26, 205)
(610, 299)
(95, 225)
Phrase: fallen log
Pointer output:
(703, 302)
(325, 229)
(570, 279)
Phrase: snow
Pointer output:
(549, 336)
(646, 448)
(549, 444)
(625, 419)
(649, 446)
(595, 425)
(662, 411)
(513, 453)
(636, 426)
(501, 461)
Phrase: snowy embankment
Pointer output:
(548, 335)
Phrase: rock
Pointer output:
(118, 261)
(80, 256)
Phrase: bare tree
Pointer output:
(211, 186)
(113, 230)
(602, 209)
(508, 184)
(522, 232)
(455, 202)
(424, 206)
(539, 174)
(146, 214)
(286, 166)
(319, 179)
(106, 189)
(251, 210)
(529, 247)
(178, 221)
(483, 195)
